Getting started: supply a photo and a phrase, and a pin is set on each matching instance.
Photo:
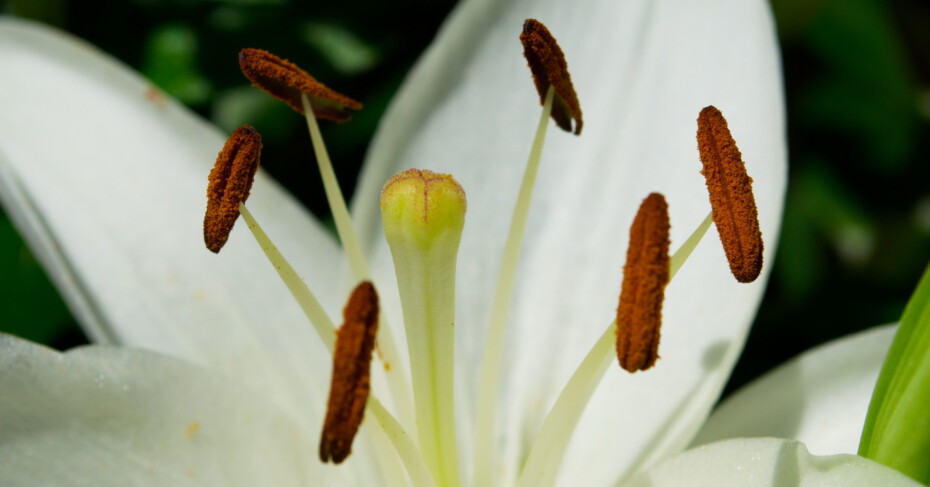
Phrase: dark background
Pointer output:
(856, 233)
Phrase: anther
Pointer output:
(285, 81)
(645, 275)
(348, 393)
(731, 198)
(230, 182)
(547, 62)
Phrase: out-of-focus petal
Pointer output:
(767, 462)
(107, 416)
(106, 178)
(643, 70)
(820, 397)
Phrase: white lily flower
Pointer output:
(104, 176)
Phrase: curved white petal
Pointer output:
(761, 462)
(643, 70)
(107, 416)
(106, 179)
(820, 398)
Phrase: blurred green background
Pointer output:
(856, 233)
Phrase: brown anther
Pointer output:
(285, 81)
(348, 392)
(547, 62)
(229, 184)
(731, 199)
(645, 275)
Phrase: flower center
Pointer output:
(423, 215)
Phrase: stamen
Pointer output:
(731, 198)
(396, 374)
(392, 432)
(230, 182)
(285, 81)
(348, 393)
(549, 446)
(547, 62)
(645, 275)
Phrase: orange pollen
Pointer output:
(645, 275)
(547, 62)
(229, 184)
(731, 198)
(285, 81)
(348, 392)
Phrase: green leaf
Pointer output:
(897, 428)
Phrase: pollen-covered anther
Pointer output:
(348, 393)
(285, 81)
(645, 275)
(229, 184)
(731, 198)
(547, 62)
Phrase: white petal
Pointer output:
(106, 178)
(761, 462)
(643, 70)
(107, 416)
(820, 398)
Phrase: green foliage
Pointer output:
(897, 428)
(170, 62)
(866, 88)
(29, 305)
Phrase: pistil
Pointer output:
(423, 214)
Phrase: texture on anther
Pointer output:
(731, 198)
(645, 275)
(548, 65)
(350, 386)
(229, 184)
(285, 81)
